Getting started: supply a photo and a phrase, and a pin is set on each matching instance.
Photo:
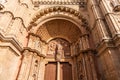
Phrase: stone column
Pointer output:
(58, 70)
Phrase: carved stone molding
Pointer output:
(13, 17)
(22, 3)
(34, 51)
(57, 9)
(82, 3)
(116, 5)
(12, 41)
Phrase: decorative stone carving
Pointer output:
(70, 2)
(59, 51)
(58, 48)
(80, 69)
(51, 48)
(82, 3)
(116, 5)
(36, 3)
(35, 43)
(42, 13)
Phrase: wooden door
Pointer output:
(65, 71)
(51, 71)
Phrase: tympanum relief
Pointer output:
(58, 48)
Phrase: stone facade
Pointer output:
(77, 38)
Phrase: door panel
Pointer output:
(65, 71)
(51, 71)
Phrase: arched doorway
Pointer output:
(61, 46)
(60, 35)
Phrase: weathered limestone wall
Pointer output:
(85, 65)
(111, 13)
(10, 59)
(98, 26)
(104, 23)
(12, 27)
(13, 38)
(32, 66)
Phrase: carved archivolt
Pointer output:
(58, 9)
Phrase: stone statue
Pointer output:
(59, 52)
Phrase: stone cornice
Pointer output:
(21, 21)
(62, 2)
(85, 51)
(37, 36)
(22, 3)
(12, 41)
(104, 45)
(34, 51)
(15, 17)
(8, 12)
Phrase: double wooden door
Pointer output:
(51, 71)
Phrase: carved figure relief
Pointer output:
(51, 48)
(35, 43)
(59, 51)
(58, 48)
(80, 69)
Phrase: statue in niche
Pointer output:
(80, 70)
(59, 51)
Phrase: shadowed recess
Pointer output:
(59, 28)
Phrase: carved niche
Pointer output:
(80, 68)
(58, 48)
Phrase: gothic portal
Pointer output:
(59, 39)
